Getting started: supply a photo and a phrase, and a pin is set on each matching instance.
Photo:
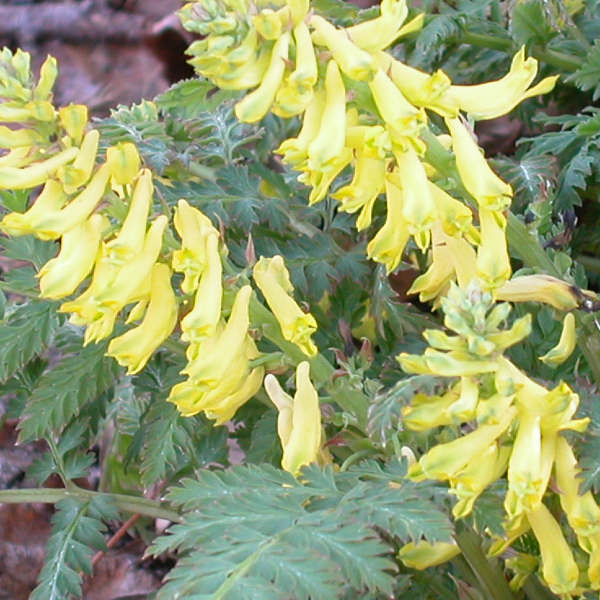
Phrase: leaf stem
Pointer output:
(567, 62)
(126, 503)
(490, 577)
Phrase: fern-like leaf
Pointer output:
(63, 390)
(77, 530)
(25, 334)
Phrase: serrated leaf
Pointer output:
(590, 463)
(25, 334)
(190, 97)
(573, 177)
(529, 23)
(30, 249)
(587, 77)
(64, 389)
(254, 528)
(385, 413)
(76, 534)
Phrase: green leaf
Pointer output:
(530, 24)
(30, 249)
(589, 463)
(385, 413)
(189, 97)
(256, 532)
(587, 77)
(25, 334)
(62, 391)
(574, 176)
(77, 533)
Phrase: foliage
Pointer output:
(338, 527)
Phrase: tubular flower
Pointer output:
(470, 482)
(481, 182)
(51, 219)
(80, 170)
(402, 118)
(541, 288)
(382, 31)
(353, 61)
(194, 228)
(295, 150)
(273, 280)
(421, 89)
(418, 206)
(425, 554)
(363, 190)
(299, 420)
(496, 98)
(134, 348)
(255, 105)
(130, 239)
(444, 461)
(329, 142)
(113, 287)
(219, 377)
(493, 262)
(123, 160)
(558, 565)
(389, 242)
(201, 322)
(15, 178)
(60, 276)
(565, 345)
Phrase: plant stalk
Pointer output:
(126, 503)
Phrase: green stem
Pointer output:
(132, 504)
(489, 575)
(566, 62)
(11, 290)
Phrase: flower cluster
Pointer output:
(514, 427)
(118, 248)
(368, 111)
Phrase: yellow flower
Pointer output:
(298, 10)
(540, 288)
(305, 74)
(425, 554)
(402, 118)
(325, 148)
(582, 510)
(559, 569)
(363, 190)
(446, 364)
(470, 482)
(493, 261)
(389, 242)
(74, 119)
(194, 228)
(255, 105)
(49, 221)
(273, 280)
(354, 62)
(530, 465)
(134, 348)
(557, 355)
(295, 150)
(496, 98)
(113, 287)
(379, 33)
(201, 322)
(15, 178)
(426, 412)
(421, 89)
(445, 460)
(456, 217)
(123, 160)
(130, 239)
(299, 421)
(220, 378)
(79, 172)
(435, 280)
(60, 276)
(418, 207)
(481, 182)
